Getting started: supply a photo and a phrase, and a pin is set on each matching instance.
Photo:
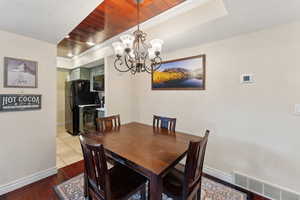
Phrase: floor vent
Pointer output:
(264, 189)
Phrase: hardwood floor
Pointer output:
(43, 189)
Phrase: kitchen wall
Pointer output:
(253, 128)
(27, 145)
(61, 75)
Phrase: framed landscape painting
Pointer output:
(181, 74)
(19, 73)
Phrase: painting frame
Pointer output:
(6, 80)
(203, 87)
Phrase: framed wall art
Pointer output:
(180, 74)
(20, 73)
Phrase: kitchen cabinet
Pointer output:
(97, 74)
(80, 74)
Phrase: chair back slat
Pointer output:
(108, 123)
(96, 171)
(194, 164)
(164, 122)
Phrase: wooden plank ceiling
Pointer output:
(110, 18)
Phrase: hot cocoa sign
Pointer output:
(20, 102)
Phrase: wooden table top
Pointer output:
(155, 150)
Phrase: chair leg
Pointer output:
(85, 187)
(199, 194)
(143, 192)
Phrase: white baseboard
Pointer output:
(27, 180)
(227, 177)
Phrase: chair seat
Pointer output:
(124, 181)
(173, 184)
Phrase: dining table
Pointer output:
(150, 151)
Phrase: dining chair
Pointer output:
(164, 122)
(187, 185)
(102, 183)
(105, 124)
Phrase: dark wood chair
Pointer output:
(187, 185)
(100, 183)
(164, 122)
(105, 124)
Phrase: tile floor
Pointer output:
(68, 148)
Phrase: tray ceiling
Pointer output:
(110, 18)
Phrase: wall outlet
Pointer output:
(247, 78)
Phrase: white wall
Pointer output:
(253, 129)
(27, 145)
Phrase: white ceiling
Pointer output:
(243, 16)
(47, 20)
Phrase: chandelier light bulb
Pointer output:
(127, 40)
(131, 54)
(118, 48)
(157, 45)
(151, 53)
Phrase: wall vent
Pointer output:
(264, 189)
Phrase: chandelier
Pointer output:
(134, 54)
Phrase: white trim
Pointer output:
(64, 58)
(64, 63)
(227, 177)
(27, 180)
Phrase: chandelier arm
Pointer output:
(133, 71)
(147, 68)
(158, 64)
(120, 63)
(148, 71)
(145, 46)
(129, 61)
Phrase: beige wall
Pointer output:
(61, 75)
(27, 145)
(119, 93)
(253, 128)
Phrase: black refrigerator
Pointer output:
(77, 94)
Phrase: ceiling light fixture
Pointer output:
(67, 37)
(70, 55)
(134, 55)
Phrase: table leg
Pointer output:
(155, 188)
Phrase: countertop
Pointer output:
(100, 109)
